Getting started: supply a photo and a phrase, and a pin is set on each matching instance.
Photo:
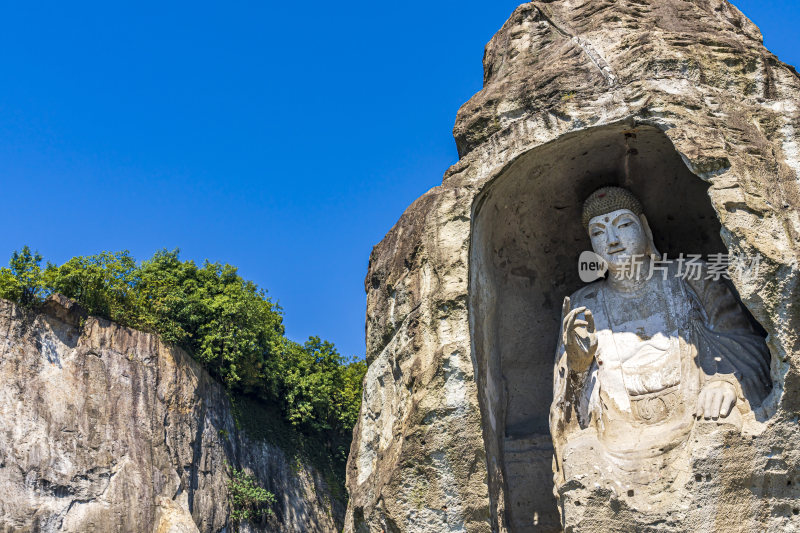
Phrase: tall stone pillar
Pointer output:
(676, 100)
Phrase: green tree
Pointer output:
(10, 288)
(105, 284)
(22, 281)
(228, 323)
(348, 402)
(309, 380)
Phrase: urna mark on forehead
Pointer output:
(613, 217)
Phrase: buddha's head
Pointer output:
(617, 226)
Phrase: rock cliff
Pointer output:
(107, 429)
(677, 100)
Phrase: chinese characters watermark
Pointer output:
(592, 267)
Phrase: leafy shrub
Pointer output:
(248, 500)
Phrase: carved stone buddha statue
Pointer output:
(642, 359)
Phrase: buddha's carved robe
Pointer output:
(633, 409)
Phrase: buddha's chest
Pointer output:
(650, 334)
(642, 350)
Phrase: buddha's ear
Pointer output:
(651, 245)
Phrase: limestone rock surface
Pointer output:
(107, 429)
(676, 99)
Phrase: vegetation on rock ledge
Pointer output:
(248, 501)
(225, 322)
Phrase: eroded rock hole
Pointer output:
(526, 239)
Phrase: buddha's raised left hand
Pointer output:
(715, 400)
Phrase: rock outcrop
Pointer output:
(108, 429)
(677, 100)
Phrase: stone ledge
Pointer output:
(64, 309)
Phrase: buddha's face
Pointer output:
(617, 237)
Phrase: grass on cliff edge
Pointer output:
(226, 323)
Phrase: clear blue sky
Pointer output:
(282, 138)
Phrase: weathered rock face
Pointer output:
(679, 101)
(104, 428)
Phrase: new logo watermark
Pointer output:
(592, 267)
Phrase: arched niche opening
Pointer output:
(526, 239)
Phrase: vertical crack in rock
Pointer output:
(197, 453)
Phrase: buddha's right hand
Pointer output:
(579, 336)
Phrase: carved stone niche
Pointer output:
(526, 239)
